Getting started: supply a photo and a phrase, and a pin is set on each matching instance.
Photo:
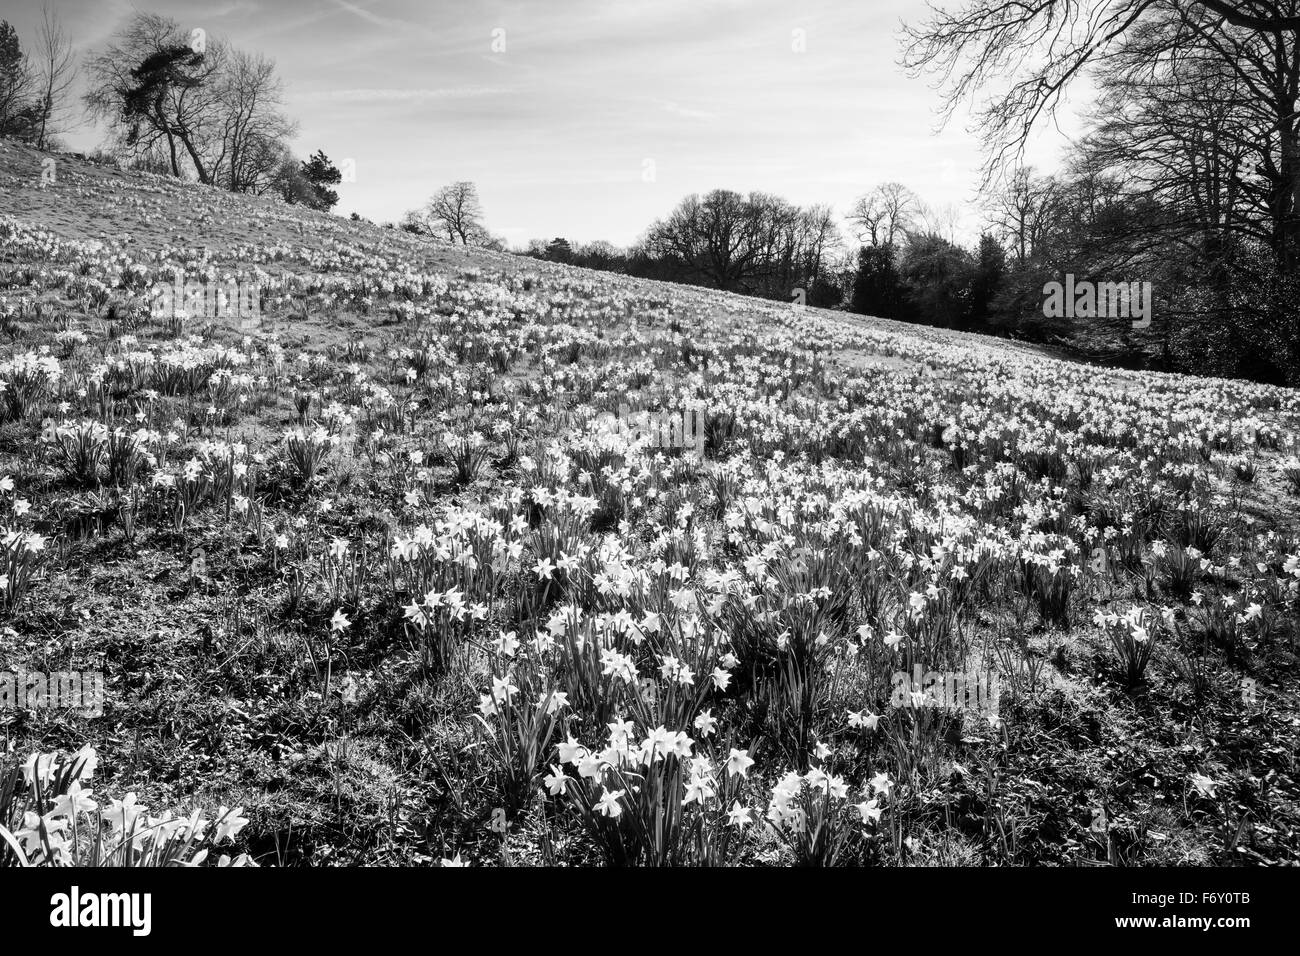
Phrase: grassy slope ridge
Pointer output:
(865, 464)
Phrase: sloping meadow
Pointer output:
(416, 554)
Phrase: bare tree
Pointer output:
(55, 74)
(1022, 212)
(1193, 142)
(717, 238)
(158, 91)
(207, 107)
(252, 129)
(456, 211)
(885, 214)
(941, 221)
(820, 238)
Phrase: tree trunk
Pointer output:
(199, 168)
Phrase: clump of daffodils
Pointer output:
(49, 816)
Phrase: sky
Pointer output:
(590, 119)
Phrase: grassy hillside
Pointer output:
(376, 566)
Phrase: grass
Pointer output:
(377, 571)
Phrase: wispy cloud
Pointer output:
(367, 15)
(678, 110)
(400, 95)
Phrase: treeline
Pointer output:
(1187, 177)
(762, 245)
(1222, 298)
(755, 244)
